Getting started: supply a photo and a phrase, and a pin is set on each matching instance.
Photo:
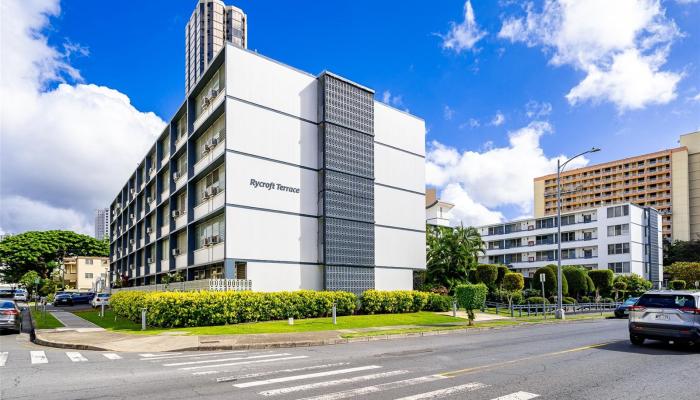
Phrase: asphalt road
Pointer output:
(583, 360)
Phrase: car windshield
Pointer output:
(103, 295)
(631, 301)
(667, 301)
(7, 304)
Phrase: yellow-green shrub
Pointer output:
(394, 301)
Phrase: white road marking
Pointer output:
(306, 376)
(3, 358)
(518, 396)
(38, 357)
(279, 371)
(75, 356)
(177, 364)
(112, 356)
(205, 373)
(266, 360)
(436, 394)
(157, 354)
(166, 357)
(377, 388)
(325, 384)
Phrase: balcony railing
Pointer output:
(218, 285)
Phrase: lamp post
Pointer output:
(559, 314)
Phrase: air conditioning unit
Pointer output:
(131, 266)
(149, 260)
(131, 216)
(214, 190)
(215, 140)
(131, 241)
(205, 194)
(215, 239)
(149, 231)
(213, 93)
(149, 199)
(207, 241)
(176, 175)
(132, 191)
(176, 213)
(205, 102)
(176, 252)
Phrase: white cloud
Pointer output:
(466, 34)
(392, 100)
(620, 45)
(498, 119)
(66, 148)
(537, 110)
(481, 182)
(448, 113)
(696, 97)
(472, 123)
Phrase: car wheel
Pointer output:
(636, 340)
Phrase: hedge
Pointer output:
(677, 284)
(537, 300)
(439, 303)
(187, 309)
(395, 301)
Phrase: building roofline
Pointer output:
(614, 162)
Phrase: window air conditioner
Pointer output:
(149, 231)
(131, 216)
(149, 260)
(176, 252)
(131, 266)
(176, 213)
(149, 199)
(151, 170)
(131, 241)
(205, 194)
(132, 191)
(207, 241)
(176, 175)
(213, 93)
(215, 239)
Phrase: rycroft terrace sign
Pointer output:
(272, 185)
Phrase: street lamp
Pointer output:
(559, 314)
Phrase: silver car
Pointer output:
(10, 316)
(668, 315)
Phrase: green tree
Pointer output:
(564, 282)
(619, 287)
(550, 281)
(677, 285)
(636, 285)
(502, 271)
(487, 274)
(602, 279)
(42, 251)
(451, 253)
(591, 284)
(513, 283)
(681, 251)
(471, 297)
(576, 279)
(684, 271)
(28, 281)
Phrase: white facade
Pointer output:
(101, 223)
(437, 212)
(268, 163)
(624, 238)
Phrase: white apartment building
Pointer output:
(102, 223)
(623, 238)
(437, 212)
(286, 179)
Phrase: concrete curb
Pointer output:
(310, 343)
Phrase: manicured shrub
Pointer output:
(502, 271)
(438, 303)
(564, 281)
(394, 301)
(585, 299)
(537, 300)
(471, 297)
(501, 296)
(487, 274)
(186, 309)
(602, 279)
(471, 276)
(677, 285)
(550, 281)
(568, 300)
(576, 279)
(607, 300)
(527, 293)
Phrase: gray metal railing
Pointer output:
(536, 309)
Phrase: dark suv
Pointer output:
(668, 315)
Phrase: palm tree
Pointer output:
(451, 253)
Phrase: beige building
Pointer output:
(86, 273)
(212, 24)
(667, 180)
(437, 212)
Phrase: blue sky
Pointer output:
(474, 92)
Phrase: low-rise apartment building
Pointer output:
(437, 212)
(624, 238)
(85, 273)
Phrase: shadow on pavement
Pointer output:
(652, 347)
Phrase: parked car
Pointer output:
(63, 299)
(667, 315)
(100, 299)
(622, 311)
(7, 294)
(82, 298)
(10, 317)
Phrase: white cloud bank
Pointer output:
(480, 182)
(65, 150)
(620, 45)
(466, 34)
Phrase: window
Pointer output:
(182, 127)
(165, 145)
(619, 248)
(567, 254)
(618, 211)
(181, 168)
(210, 232)
(88, 275)
(568, 236)
(568, 220)
(496, 230)
(544, 223)
(181, 202)
(211, 138)
(88, 261)
(241, 270)
(618, 230)
(210, 185)
(619, 267)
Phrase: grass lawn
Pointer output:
(45, 320)
(422, 319)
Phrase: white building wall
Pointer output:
(273, 277)
(393, 279)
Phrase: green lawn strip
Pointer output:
(485, 324)
(45, 320)
(423, 319)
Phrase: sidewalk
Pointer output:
(72, 321)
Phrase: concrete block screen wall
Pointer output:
(291, 180)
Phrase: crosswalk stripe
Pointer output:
(167, 357)
(377, 388)
(177, 364)
(266, 373)
(157, 354)
(112, 356)
(518, 396)
(38, 357)
(336, 382)
(305, 376)
(436, 394)
(266, 360)
(3, 358)
(75, 356)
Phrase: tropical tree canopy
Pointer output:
(451, 253)
(680, 251)
(42, 251)
(685, 271)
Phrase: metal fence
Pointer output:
(218, 285)
(546, 309)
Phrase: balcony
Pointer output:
(151, 237)
(181, 260)
(180, 218)
(209, 107)
(180, 180)
(210, 154)
(164, 161)
(180, 141)
(152, 172)
(164, 265)
(165, 194)
(209, 205)
(142, 242)
(151, 205)
(209, 253)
